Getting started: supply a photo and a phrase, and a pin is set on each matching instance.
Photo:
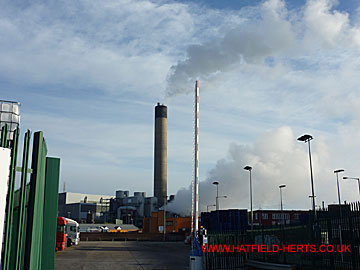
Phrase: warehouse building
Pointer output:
(78, 206)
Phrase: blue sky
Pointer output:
(90, 73)
(346, 6)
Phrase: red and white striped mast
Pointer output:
(195, 180)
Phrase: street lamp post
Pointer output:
(311, 197)
(282, 218)
(281, 204)
(217, 194)
(338, 188)
(306, 139)
(354, 178)
(249, 168)
(165, 201)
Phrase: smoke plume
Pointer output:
(269, 32)
(250, 42)
(277, 158)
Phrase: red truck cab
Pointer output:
(60, 233)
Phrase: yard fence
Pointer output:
(31, 211)
(328, 229)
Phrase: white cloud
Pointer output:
(117, 47)
(325, 25)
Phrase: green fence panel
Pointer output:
(50, 212)
(10, 202)
(31, 221)
(33, 245)
(24, 189)
(14, 235)
(18, 239)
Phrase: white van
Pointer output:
(72, 230)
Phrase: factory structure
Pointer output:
(119, 209)
(123, 208)
(131, 209)
(160, 154)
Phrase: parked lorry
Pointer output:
(61, 235)
(72, 231)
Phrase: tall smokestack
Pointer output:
(160, 154)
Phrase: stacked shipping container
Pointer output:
(225, 221)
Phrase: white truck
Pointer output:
(72, 230)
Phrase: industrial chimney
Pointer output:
(160, 154)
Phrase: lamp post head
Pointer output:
(339, 171)
(248, 168)
(215, 183)
(305, 138)
(354, 178)
(282, 186)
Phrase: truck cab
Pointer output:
(61, 235)
(72, 231)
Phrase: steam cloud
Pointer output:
(250, 43)
(277, 158)
(270, 32)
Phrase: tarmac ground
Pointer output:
(124, 255)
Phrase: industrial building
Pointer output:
(131, 210)
(155, 223)
(77, 206)
(90, 208)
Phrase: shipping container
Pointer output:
(221, 221)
